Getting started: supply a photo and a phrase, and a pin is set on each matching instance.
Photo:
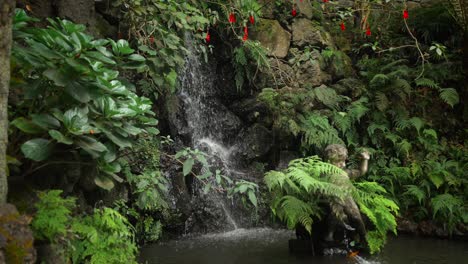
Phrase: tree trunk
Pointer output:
(7, 8)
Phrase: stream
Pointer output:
(265, 245)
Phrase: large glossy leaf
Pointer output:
(90, 144)
(37, 149)
(57, 135)
(104, 182)
(78, 91)
(45, 121)
(26, 126)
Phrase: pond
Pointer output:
(264, 245)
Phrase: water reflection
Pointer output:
(264, 245)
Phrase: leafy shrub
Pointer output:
(70, 95)
(53, 216)
(102, 237)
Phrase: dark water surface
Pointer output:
(264, 245)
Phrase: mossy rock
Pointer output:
(273, 37)
(16, 238)
(308, 33)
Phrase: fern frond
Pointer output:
(425, 82)
(449, 96)
(416, 192)
(318, 131)
(445, 204)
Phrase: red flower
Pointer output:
(405, 14)
(232, 18)
(252, 19)
(368, 32)
(151, 39)
(246, 30)
(342, 26)
(325, 1)
(294, 12)
(208, 37)
(246, 36)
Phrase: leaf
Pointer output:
(45, 121)
(37, 149)
(90, 145)
(188, 164)
(57, 135)
(56, 76)
(26, 126)
(207, 188)
(104, 182)
(437, 179)
(252, 198)
(136, 57)
(78, 91)
(450, 96)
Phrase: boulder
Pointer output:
(305, 8)
(310, 74)
(251, 110)
(16, 238)
(273, 37)
(307, 33)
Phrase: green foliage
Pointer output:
(297, 191)
(53, 216)
(71, 98)
(102, 237)
(248, 60)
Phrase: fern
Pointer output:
(416, 192)
(53, 215)
(449, 96)
(425, 82)
(318, 132)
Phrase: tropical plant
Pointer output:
(298, 190)
(70, 96)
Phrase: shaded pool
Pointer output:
(264, 245)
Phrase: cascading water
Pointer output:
(211, 125)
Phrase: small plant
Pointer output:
(53, 216)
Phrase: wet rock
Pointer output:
(251, 110)
(253, 142)
(306, 32)
(281, 75)
(273, 37)
(16, 238)
(407, 226)
(51, 254)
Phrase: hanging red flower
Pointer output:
(294, 12)
(252, 19)
(325, 1)
(405, 14)
(342, 26)
(208, 37)
(246, 34)
(368, 31)
(151, 40)
(232, 18)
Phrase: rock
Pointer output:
(311, 74)
(305, 8)
(280, 75)
(305, 32)
(350, 87)
(51, 254)
(340, 65)
(251, 110)
(267, 9)
(273, 37)
(285, 156)
(253, 142)
(15, 236)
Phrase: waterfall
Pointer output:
(211, 126)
